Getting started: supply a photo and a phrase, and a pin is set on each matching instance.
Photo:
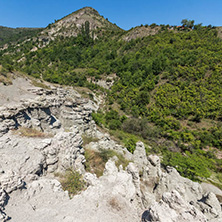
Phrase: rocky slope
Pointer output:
(72, 24)
(140, 32)
(29, 190)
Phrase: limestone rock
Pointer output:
(106, 199)
(210, 206)
(66, 146)
(110, 168)
(9, 181)
(48, 112)
(106, 143)
(173, 208)
(3, 198)
(211, 200)
(90, 179)
(160, 182)
(154, 160)
(211, 188)
(139, 155)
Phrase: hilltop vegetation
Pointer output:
(11, 35)
(167, 91)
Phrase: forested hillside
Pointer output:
(167, 91)
(11, 35)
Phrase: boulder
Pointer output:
(210, 206)
(211, 188)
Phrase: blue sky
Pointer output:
(125, 13)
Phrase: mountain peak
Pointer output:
(71, 24)
(88, 10)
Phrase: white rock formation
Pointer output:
(173, 208)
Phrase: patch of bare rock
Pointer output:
(143, 191)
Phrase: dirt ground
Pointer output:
(14, 93)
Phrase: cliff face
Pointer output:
(58, 118)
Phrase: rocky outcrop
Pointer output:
(48, 111)
(53, 112)
(211, 188)
(140, 32)
(110, 197)
(38, 202)
(170, 197)
(106, 143)
(172, 208)
(61, 116)
(155, 195)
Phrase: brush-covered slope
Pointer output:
(12, 35)
(141, 31)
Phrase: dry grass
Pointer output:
(87, 140)
(71, 181)
(83, 91)
(205, 123)
(219, 30)
(30, 132)
(80, 70)
(5, 79)
(96, 160)
(115, 204)
(215, 179)
(39, 84)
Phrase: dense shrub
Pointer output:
(141, 127)
(98, 118)
(190, 165)
(131, 144)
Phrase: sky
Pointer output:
(125, 13)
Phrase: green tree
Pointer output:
(187, 23)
